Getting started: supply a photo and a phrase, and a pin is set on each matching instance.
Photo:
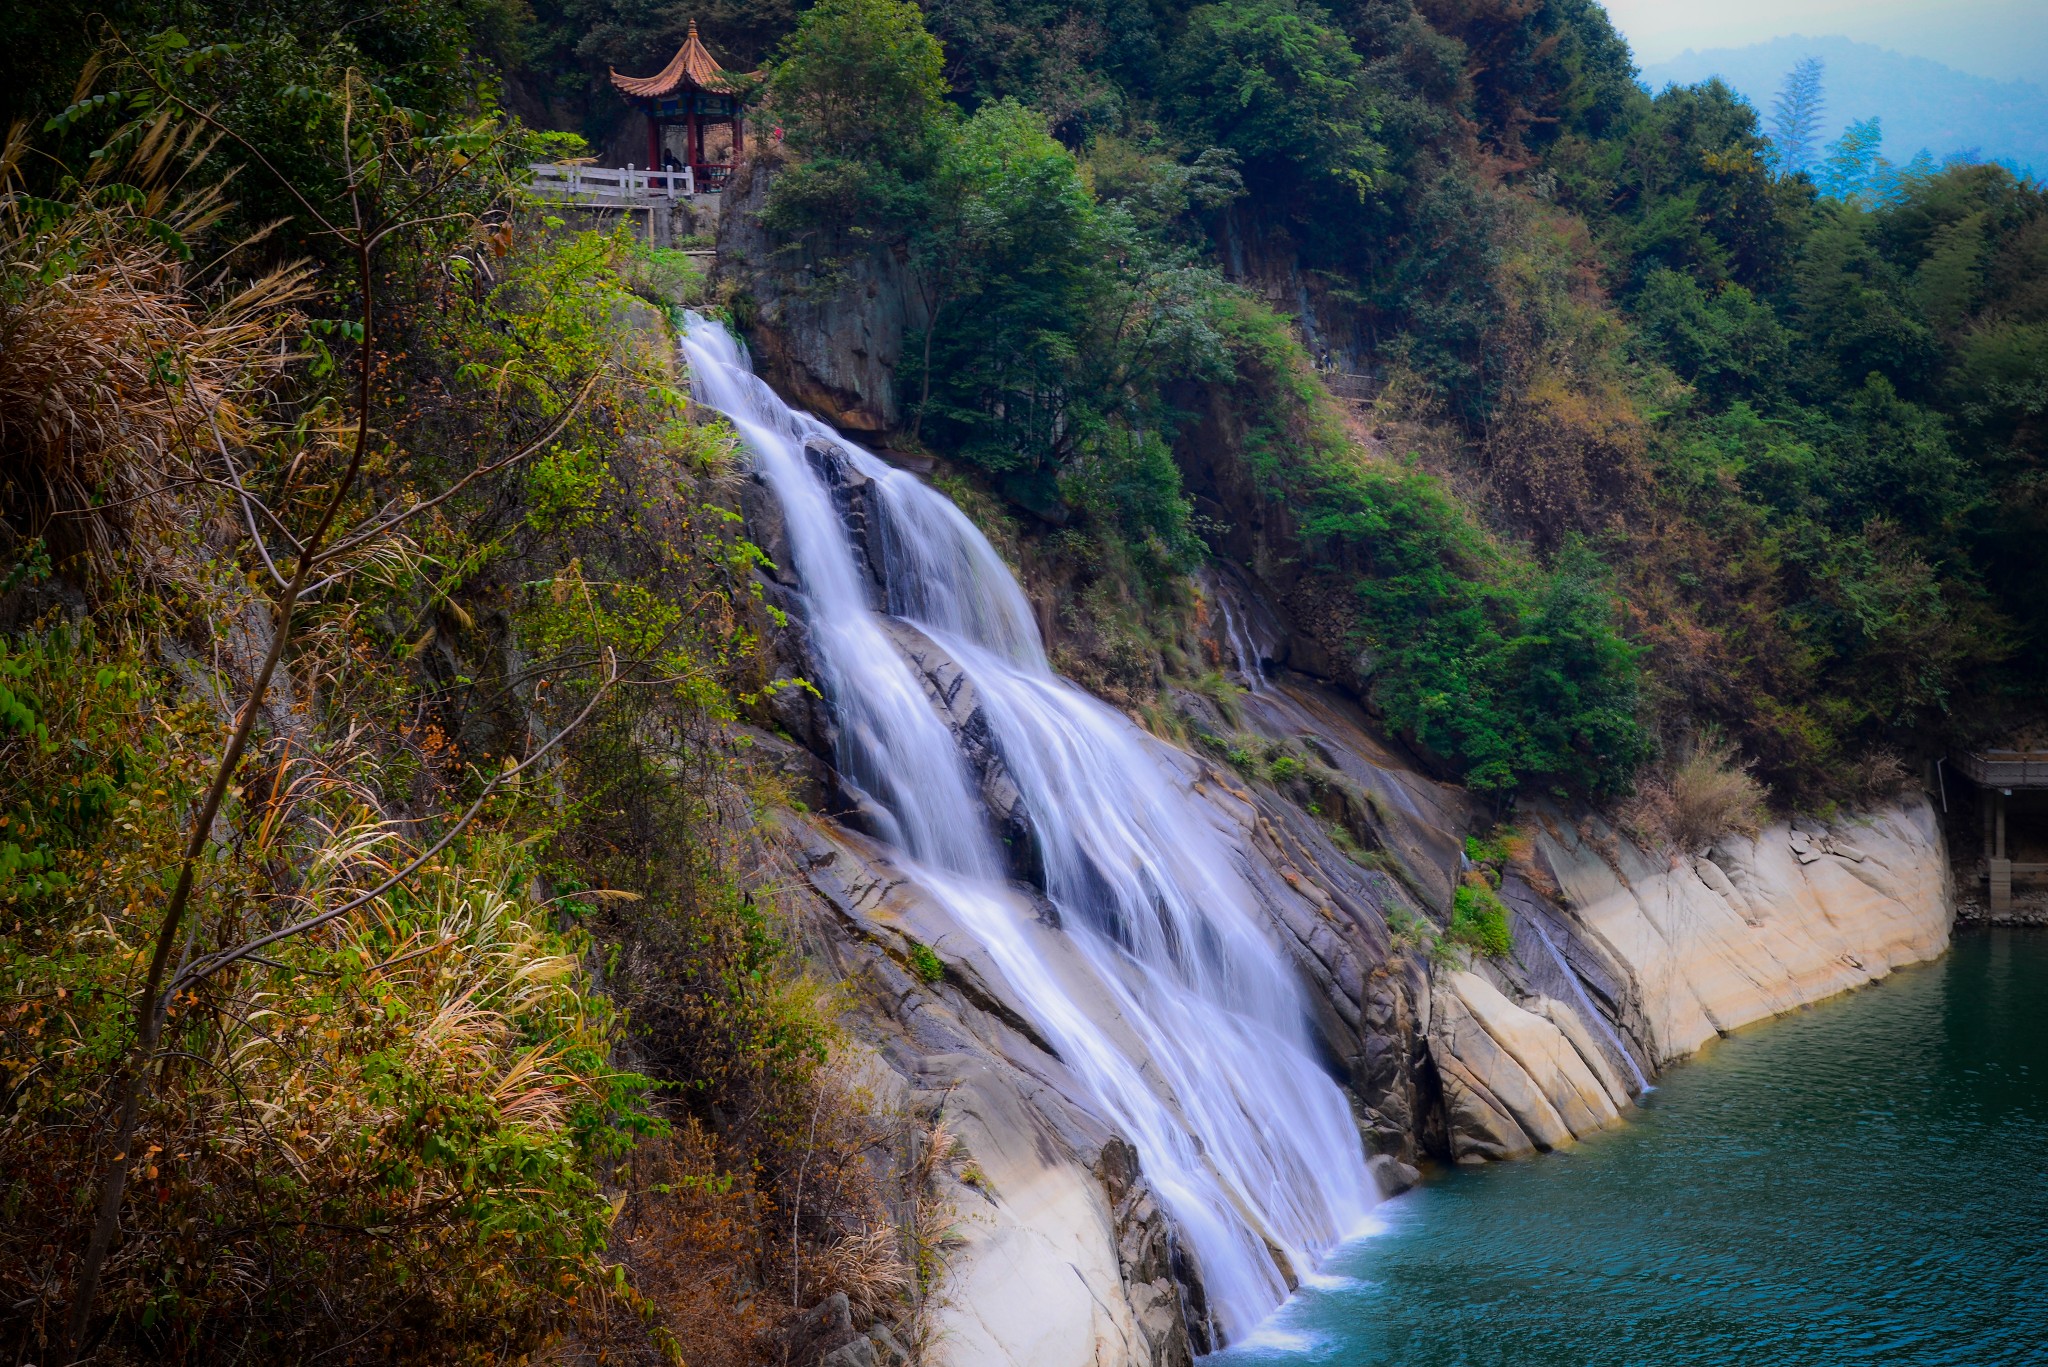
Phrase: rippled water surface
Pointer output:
(1861, 1182)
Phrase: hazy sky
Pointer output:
(2003, 39)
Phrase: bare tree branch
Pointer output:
(356, 539)
(207, 967)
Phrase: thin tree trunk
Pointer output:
(924, 396)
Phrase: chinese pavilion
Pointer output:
(694, 91)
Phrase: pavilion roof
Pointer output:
(693, 67)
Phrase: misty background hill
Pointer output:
(1922, 103)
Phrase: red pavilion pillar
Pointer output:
(653, 142)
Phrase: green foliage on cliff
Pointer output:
(1049, 322)
(926, 964)
(492, 829)
(1479, 920)
(1800, 428)
(1516, 671)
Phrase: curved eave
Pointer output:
(692, 68)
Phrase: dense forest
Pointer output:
(384, 879)
(1675, 447)
(1695, 432)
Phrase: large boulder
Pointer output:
(1520, 1080)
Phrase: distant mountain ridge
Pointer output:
(1922, 103)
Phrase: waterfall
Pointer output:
(1243, 653)
(1192, 1034)
(1571, 975)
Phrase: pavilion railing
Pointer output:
(2005, 768)
(626, 185)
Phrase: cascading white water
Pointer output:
(1249, 1144)
(1244, 655)
(1571, 976)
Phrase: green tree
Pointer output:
(1853, 169)
(1275, 82)
(1538, 71)
(1853, 311)
(860, 90)
(1728, 343)
(1795, 117)
(1051, 325)
(1686, 187)
(1014, 243)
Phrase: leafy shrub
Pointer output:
(1479, 919)
(1406, 930)
(1498, 848)
(68, 782)
(926, 965)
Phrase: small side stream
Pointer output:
(1860, 1182)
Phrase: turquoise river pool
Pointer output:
(1859, 1182)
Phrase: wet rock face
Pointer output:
(768, 529)
(1368, 999)
(797, 711)
(858, 503)
(959, 703)
(1387, 1072)
(1144, 1246)
(833, 351)
(1065, 1257)
(792, 699)
(1392, 1176)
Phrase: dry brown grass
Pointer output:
(704, 1235)
(122, 374)
(1706, 792)
(691, 1236)
(1876, 776)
